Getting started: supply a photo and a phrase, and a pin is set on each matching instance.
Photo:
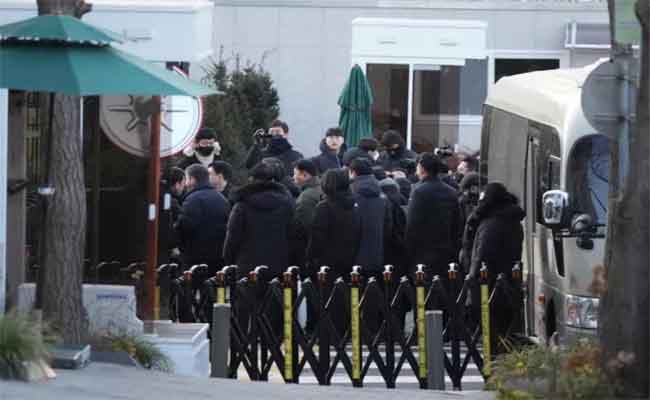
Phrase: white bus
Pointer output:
(536, 140)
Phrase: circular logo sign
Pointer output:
(126, 122)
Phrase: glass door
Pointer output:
(390, 89)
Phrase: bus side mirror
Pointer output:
(555, 205)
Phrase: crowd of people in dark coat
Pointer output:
(374, 204)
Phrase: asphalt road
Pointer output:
(107, 381)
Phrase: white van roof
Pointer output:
(546, 97)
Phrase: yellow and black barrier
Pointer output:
(485, 321)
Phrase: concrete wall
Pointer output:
(306, 44)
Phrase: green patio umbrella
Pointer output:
(62, 54)
(62, 28)
(356, 105)
(84, 70)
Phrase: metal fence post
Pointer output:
(355, 326)
(435, 361)
(420, 308)
(288, 327)
(220, 340)
(485, 321)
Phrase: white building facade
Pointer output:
(430, 63)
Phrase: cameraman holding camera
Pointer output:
(273, 144)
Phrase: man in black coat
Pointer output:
(395, 154)
(332, 148)
(259, 228)
(202, 224)
(277, 146)
(432, 228)
(376, 217)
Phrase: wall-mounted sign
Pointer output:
(125, 120)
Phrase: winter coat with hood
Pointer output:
(327, 159)
(259, 228)
(498, 237)
(201, 226)
(376, 222)
(432, 229)
(279, 148)
(335, 234)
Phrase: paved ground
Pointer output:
(110, 382)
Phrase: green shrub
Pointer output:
(539, 372)
(20, 342)
(142, 350)
(249, 101)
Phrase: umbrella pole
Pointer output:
(152, 225)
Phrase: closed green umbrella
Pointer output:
(356, 105)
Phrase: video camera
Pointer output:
(262, 134)
(444, 152)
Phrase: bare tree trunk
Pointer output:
(624, 311)
(65, 220)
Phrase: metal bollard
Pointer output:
(485, 320)
(435, 352)
(220, 340)
(355, 325)
(420, 306)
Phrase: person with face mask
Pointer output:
(332, 148)
(395, 151)
(205, 150)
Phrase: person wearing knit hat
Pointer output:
(204, 150)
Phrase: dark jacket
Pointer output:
(395, 251)
(356, 152)
(304, 217)
(432, 229)
(228, 191)
(335, 235)
(279, 148)
(201, 226)
(259, 228)
(376, 222)
(394, 161)
(498, 239)
(327, 159)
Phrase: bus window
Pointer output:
(507, 150)
(588, 177)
